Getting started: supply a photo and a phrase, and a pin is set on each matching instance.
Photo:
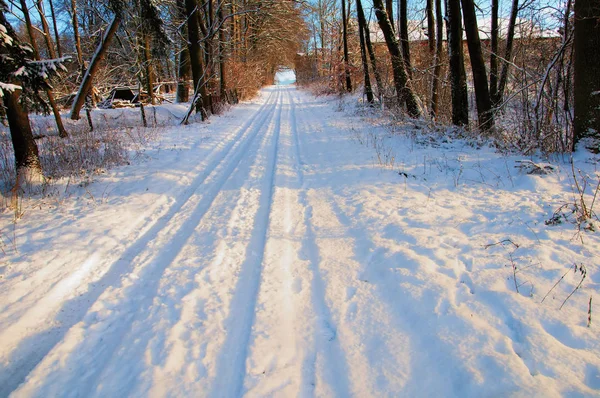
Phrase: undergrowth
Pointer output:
(78, 158)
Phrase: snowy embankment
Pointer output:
(270, 253)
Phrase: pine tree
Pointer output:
(21, 79)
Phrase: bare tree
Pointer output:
(430, 26)
(389, 7)
(59, 124)
(437, 60)
(55, 26)
(494, 51)
(404, 42)
(222, 46)
(510, 35)
(345, 40)
(404, 92)
(86, 83)
(183, 57)
(482, 93)
(458, 77)
(196, 56)
(363, 54)
(47, 37)
(367, 34)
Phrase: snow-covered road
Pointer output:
(273, 259)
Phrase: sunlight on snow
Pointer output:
(284, 77)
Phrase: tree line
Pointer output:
(530, 74)
(205, 52)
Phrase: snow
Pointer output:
(4, 37)
(8, 88)
(270, 253)
(285, 77)
(20, 72)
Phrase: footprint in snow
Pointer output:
(464, 288)
(328, 332)
(466, 280)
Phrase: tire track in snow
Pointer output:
(281, 333)
(195, 292)
(215, 175)
(390, 352)
(326, 338)
(369, 344)
(231, 363)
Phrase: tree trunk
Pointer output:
(46, 29)
(587, 70)
(77, 39)
(62, 133)
(76, 34)
(363, 56)
(222, 66)
(208, 43)
(494, 49)
(183, 60)
(345, 39)
(183, 76)
(150, 75)
(196, 56)
(55, 25)
(404, 37)
(27, 159)
(430, 27)
(458, 76)
(367, 35)
(404, 92)
(437, 60)
(482, 93)
(86, 82)
(389, 8)
(59, 124)
(507, 53)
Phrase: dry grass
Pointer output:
(79, 157)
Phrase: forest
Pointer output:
(513, 71)
(525, 74)
(68, 58)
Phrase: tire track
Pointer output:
(231, 363)
(184, 285)
(279, 336)
(325, 334)
(214, 176)
(371, 343)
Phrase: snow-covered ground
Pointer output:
(269, 253)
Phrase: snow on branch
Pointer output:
(8, 88)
